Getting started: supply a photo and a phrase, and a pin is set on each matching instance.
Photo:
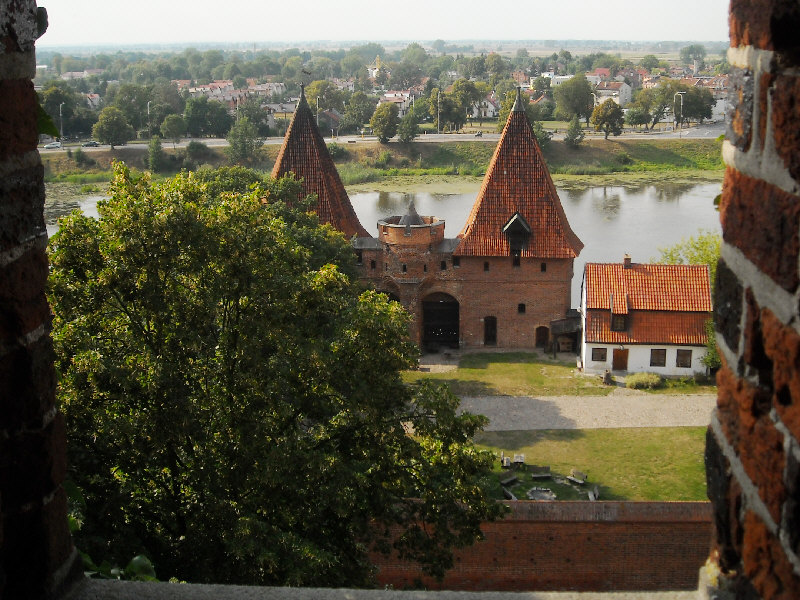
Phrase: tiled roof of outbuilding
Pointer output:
(645, 286)
(517, 180)
(649, 327)
(305, 154)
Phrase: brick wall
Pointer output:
(583, 546)
(752, 452)
(37, 558)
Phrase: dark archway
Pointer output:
(440, 321)
(489, 331)
(542, 336)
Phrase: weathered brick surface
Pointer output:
(567, 551)
(765, 562)
(21, 209)
(785, 116)
(782, 345)
(27, 372)
(728, 299)
(741, 88)
(760, 228)
(20, 134)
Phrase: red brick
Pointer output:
(27, 385)
(785, 116)
(759, 218)
(765, 563)
(17, 105)
(22, 216)
(782, 345)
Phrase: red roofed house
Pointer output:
(644, 317)
(502, 282)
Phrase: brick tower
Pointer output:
(305, 154)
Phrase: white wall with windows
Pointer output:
(670, 361)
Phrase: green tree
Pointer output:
(408, 129)
(384, 121)
(234, 400)
(243, 142)
(698, 104)
(358, 112)
(575, 134)
(112, 128)
(636, 116)
(156, 159)
(173, 128)
(608, 117)
(330, 97)
(694, 52)
(649, 62)
(253, 110)
(574, 97)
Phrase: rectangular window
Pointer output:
(443, 265)
(404, 268)
(424, 268)
(658, 357)
(618, 323)
(684, 359)
(543, 267)
(516, 260)
(372, 265)
(486, 266)
(456, 261)
(521, 308)
(359, 257)
(599, 354)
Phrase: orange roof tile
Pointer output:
(517, 180)
(647, 287)
(649, 327)
(305, 154)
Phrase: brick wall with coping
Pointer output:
(581, 546)
(37, 558)
(752, 451)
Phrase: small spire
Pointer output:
(518, 107)
(302, 90)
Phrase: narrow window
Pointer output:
(456, 261)
(385, 266)
(359, 257)
(443, 265)
(372, 265)
(486, 266)
(599, 355)
(515, 260)
(404, 268)
(521, 308)
(618, 323)
(543, 267)
(658, 357)
(684, 359)
(424, 268)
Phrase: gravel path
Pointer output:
(621, 408)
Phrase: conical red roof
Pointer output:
(305, 154)
(518, 181)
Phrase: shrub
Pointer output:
(644, 381)
(337, 151)
(197, 150)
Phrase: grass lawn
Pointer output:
(514, 374)
(664, 464)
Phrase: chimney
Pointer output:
(626, 261)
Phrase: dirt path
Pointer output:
(621, 408)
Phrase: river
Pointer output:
(611, 220)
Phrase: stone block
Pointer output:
(741, 87)
(785, 116)
(728, 299)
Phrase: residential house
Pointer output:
(644, 317)
(619, 91)
(488, 108)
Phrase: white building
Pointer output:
(619, 91)
(638, 317)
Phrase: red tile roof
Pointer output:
(305, 154)
(647, 287)
(649, 327)
(517, 180)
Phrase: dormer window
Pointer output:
(518, 233)
(618, 323)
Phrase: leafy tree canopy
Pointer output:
(112, 128)
(608, 117)
(574, 97)
(234, 404)
(384, 121)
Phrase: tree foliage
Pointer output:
(575, 134)
(243, 141)
(408, 129)
(234, 404)
(156, 159)
(574, 97)
(608, 117)
(384, 121)
(173, 128)
(112, 128)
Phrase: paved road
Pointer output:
(621, 408)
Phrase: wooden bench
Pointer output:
(540, 472)
(576, 476)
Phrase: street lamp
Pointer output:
(595, 99)
(149, 127)
(438, 112)
(317, 112)
(680, 123)
(61, 119)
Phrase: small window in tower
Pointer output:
(456, 261)
(424, 268)
(359, 257)
(404, 268)
(521, 308)
(516, 260)
(486, 266)
(372, 265)
(385, 266)
(543, 267)
(443, 265)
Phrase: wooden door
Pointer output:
(620, 360)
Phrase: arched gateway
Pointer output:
(440, 319)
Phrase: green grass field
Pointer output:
(660, 463)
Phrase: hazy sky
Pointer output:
(90, 22)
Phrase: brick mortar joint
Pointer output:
(37, 241)
(18, 65)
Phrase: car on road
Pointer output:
(91, 144)
(52, 146)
